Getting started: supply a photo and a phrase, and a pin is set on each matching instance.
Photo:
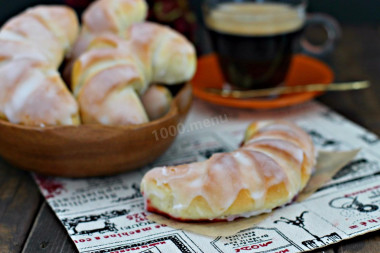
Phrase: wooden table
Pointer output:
(27, 224)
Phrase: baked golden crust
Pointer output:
(269, 170)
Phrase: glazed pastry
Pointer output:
(162, 54)
(105, 17)
(156, 101)
(106, 81)
(32, 46)
(52, 29)
(109, 78)
(267, 171)
(168, 57)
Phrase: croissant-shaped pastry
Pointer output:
(168, 57)
(32, 46)
(109, 78)
(108, 16)
(267, 171)
(105, 80)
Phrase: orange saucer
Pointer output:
(303, 70)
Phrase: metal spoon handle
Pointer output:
(289, 89)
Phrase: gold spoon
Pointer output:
(289, 89)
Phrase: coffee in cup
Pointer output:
(254, 41)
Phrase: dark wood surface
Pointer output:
(28, 225)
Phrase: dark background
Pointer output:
(350, 12)
(345, 11)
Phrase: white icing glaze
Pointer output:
(123, 107)
(37, 33)
(21, 50)
(23, 90)
(39, 99)
(64, 18)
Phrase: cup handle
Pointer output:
(332, 28)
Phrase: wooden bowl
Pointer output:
(91, 150)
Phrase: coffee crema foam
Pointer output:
(255, 19)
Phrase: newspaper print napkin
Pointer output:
(106, 214)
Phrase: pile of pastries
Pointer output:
(114, 65)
